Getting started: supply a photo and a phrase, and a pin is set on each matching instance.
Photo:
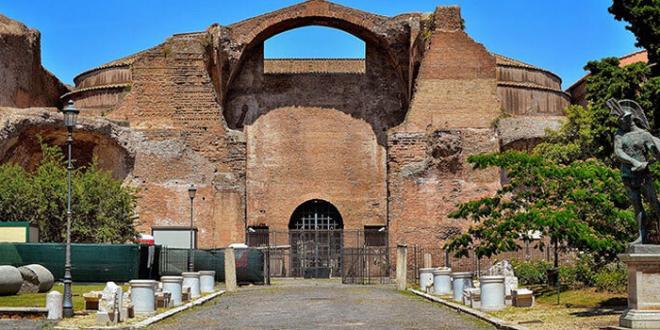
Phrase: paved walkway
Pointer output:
(320, 304)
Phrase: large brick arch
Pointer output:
(391, 35)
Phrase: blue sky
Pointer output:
(559, 35)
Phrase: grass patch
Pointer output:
(39, 299)
(578, 309)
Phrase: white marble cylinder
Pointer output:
(492, 293)
(54, 301)
(206, 281)
(173, 285)
(425, 279)
(460, 281)
(442, 281)
(191, 280)
(143, 295)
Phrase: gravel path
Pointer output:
(320, 304)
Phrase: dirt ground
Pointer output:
(320, 304)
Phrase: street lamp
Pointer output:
(192, 190)
(70, 115)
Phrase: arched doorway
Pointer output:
(315, 235)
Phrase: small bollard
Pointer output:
(460, 281)
(143, 296)
(426, 279)
(191, 280)
(54, 305)
(172, 284)
(206, 281)
(428, 260)
(442, 281)
(492, 293)
(230, 269)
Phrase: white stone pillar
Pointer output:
(191, 280)
(173, 285)
(401, 266)
(442, 281)
(426, 279)
(230, 269)
(206, 281)
(460, 282)
(54, 305)
(143, 296)
(492, 293)
(428, 260)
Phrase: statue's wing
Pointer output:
(615, 109)
(637, 111)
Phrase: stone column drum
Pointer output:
(460, 281)
(191, 280)
(426, 279)
(643, 311)
(492, 293)
(143, 296)
(442, 281)
(173, 285)
(206, 281)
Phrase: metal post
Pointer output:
(191, 262)
(67, 306)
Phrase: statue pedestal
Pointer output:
(643, 311)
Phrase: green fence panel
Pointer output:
(89, 262)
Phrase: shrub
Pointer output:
(568, 276)
(531, 272)
(102, 209)
(612, 278)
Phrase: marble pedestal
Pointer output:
(643, 311)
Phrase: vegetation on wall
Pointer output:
(102, 209)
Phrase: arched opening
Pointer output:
(364, 82)
(316, 214)
(314, 42)
(315, 235)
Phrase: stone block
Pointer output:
(92, 299)
(643, 288)
(522, 298)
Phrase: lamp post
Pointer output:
(70, 115)
(192, 190)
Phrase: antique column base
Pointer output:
(643, 311)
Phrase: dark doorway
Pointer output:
(315, 235)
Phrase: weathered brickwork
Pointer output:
(385, 139)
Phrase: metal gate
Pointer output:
(315, 253)
(315, 236)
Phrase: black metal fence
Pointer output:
(249, 263)
(479, 266)
(324, 253)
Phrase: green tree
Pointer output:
(102, 209)
(644, 19)
(578, 205)
(588, 132)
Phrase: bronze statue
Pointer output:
(636, 148)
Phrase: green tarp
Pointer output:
(90, 262)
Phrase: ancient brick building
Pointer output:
(375, 143)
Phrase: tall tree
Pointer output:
(580, 205)
(643, 17)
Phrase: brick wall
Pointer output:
(451, 114)
(173, 104)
